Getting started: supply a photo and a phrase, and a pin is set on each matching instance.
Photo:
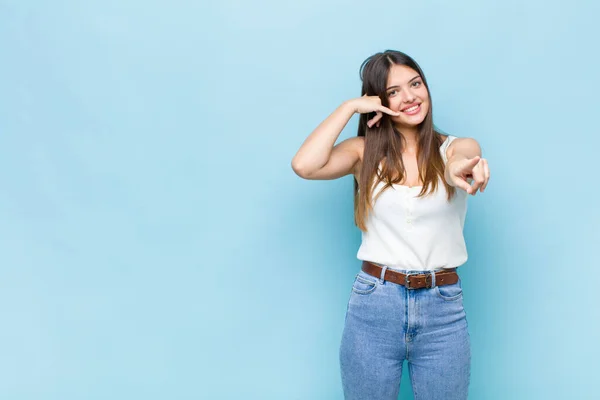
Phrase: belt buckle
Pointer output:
(428, 281)
(407, 282)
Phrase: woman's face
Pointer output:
(407, 93)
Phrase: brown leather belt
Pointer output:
(414, 281)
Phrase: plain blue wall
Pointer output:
(156, 244)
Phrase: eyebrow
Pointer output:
(395, 86)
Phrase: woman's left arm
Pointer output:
(465, 162)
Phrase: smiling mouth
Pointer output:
(412, 110)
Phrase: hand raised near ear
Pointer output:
(368, 104)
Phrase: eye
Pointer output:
(416, 84)
(391, 93)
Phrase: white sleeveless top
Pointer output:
(410, 233)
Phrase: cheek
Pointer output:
(395, 104)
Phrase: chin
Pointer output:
(409, 124)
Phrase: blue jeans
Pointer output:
(386, 324)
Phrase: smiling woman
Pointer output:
(420, 106)
(410, 199)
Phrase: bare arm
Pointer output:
(317, 158)
(344, 159)
(462, 148)
(464, 163)
(317, 150)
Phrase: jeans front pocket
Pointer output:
(450, 292)
(364, 283)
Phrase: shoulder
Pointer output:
(454, 142)
(359, 143)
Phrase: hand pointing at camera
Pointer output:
(476, 168)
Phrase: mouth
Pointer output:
(412, 110)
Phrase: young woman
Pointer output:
(410, 199)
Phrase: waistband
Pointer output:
(410, 280)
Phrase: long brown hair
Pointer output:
(386, 142)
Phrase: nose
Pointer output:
(408, 97)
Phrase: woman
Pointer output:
(411, 187)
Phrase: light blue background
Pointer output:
(156, 244)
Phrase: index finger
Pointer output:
(388, 111)
(462, 184)
(469, 164)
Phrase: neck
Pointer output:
(410, 137)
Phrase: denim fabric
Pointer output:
(386, 324)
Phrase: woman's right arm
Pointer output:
(317, 158)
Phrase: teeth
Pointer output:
(412, 108)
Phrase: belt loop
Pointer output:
(432, 279)
(382, 276)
